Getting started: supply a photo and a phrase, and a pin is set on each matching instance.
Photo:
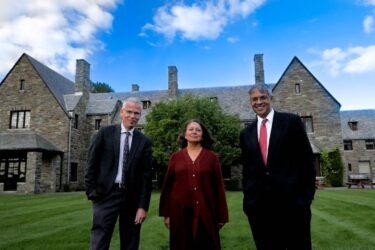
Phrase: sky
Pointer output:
(211, 42)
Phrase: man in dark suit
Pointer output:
(118, 179)
(278, 176)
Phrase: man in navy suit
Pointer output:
(278, 176)
(118, 179)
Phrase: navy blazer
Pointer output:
(290, 171)
(102, 166)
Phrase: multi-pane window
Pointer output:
(297, 88)
(348, 145)
(73, 171)
(146, 104)
(19, 119)
(308, 122)
(370, 144)
(98, 123)
(13, 169)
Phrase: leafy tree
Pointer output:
(332, 167)
(165, 121)
(101, 87)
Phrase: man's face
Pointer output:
(260, 102)
(130, 115)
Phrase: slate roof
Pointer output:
(57, 84)
(21, 140)
(233, 99)
(366, 124)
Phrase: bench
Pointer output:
(359, 180)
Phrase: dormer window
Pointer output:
(353, 125)
(146, 104)
(297, 88)
(22, 84)
(213, 98)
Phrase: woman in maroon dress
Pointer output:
(192, 199)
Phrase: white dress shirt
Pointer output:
(121, 155)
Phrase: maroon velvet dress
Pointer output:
(193, 197)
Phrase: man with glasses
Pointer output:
(118, 179)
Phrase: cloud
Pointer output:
(369, 2)
(232, 39)
(353, 60)
(205, 20)
(368, 24)
(54, 32)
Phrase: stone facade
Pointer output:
(299, 92)
(64, 117)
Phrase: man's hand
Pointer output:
(140, 216)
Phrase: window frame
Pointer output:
(348, 145)
(19, 119)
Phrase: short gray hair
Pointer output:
(263, 88)
(133, 100)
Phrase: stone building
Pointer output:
(48, 121)
(358, 130)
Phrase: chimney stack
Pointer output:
(172, 81)
(135, 87)
(82, 83)
(259, 71)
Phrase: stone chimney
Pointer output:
(259, 71)
(135, 87)
(172, 82)
(83, 83)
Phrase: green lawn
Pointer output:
(342, 219)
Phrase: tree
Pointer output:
(333, 167)
(101, 87)
(166, 120)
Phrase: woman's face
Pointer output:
(193, 132)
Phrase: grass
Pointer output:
(342, 219)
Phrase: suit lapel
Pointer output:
(134, 146)
(275, 134)
(116, 142)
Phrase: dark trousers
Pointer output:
(105, 214)
(276, 225)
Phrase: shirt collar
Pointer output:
(123, 129)
(269, 117)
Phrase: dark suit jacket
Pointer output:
(290, 172)
(102, 166)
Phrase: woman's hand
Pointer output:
(166, 222)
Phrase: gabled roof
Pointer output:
(56, 83)
(296, 60)
(26, 140)
(365, 124)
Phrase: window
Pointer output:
(370, 144)
(146, 104)
(97, 124)
(297, 88)
(349, 167)
(13, 169)
(73, 171)
(19, 119)
(22, 85)
(75, 121)
(213, 99)
(308, 122)
(353, 125)
(348, 145)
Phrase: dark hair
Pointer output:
(207, 140)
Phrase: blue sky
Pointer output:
(212, 43)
